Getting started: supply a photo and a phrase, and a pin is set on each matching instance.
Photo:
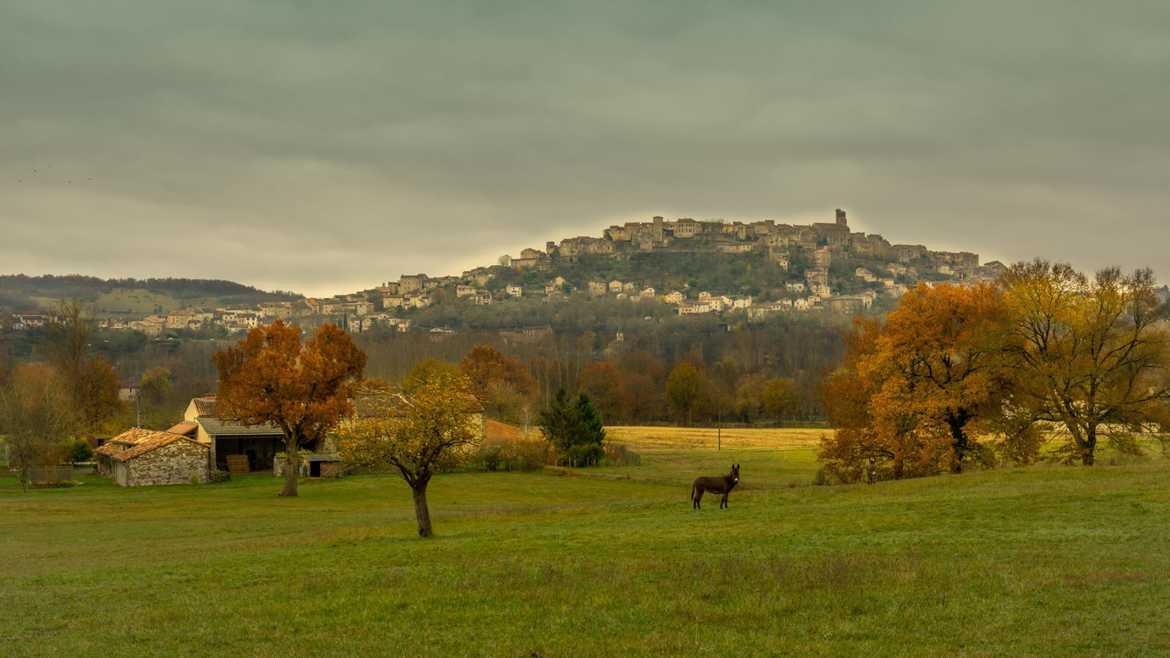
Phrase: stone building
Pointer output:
(141, 457)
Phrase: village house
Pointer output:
(615, 286)
(696, 307)
(674, 297)
(598, 288)
(761, 311)
(463, 290)
(408, 283)
(151, 325)
(26, 321)
(514, 291)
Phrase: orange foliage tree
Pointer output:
(501, 383)
(914, 389)
(604, 383)
(302, 387)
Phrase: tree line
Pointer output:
(1047, 362)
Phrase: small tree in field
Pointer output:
(303, 388)
(36, 418)
(574, 428)
(431, 425)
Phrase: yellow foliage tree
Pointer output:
(430, 426)
(1092, 355)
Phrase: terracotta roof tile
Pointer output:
(186, 428)
(152, 442)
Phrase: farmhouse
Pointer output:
(141, 457)
(245, 447)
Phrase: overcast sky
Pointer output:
(329, 146)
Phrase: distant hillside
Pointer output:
(129, 296)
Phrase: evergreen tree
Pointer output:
(557, 422)
(574, 428)
(588, 435)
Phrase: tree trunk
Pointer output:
(292, 471)
(958, 442)
(1090, 447)
(421, 511)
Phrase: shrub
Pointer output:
(80, 451)
(490, 457)
(219, 476)
(517, 455)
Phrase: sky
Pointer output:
(326, 147)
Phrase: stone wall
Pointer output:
(179, 462)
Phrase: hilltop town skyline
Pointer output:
(600, 229)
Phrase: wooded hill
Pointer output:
(20, 292)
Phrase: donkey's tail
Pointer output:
(692, 493)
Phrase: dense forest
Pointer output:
(626, 363)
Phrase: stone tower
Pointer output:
(841, 221)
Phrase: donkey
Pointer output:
(722, 484)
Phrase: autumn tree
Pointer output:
(418, 431)
(777, 397)
(686, 390)
(89, 380)
(36, 418)
(915, 390)
(501, 383)
(603, 382)
(97, 400)
(1092, 355)
(301, 387)
(155, 385)
(946, 348)
(872, 439)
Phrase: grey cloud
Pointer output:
(330, 146)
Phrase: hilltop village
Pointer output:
(778, 268)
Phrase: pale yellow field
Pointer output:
(675, 438)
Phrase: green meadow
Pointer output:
(1039, 561)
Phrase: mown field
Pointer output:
(1041, 561)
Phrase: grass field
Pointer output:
(1040, 561)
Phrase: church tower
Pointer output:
(841, 221)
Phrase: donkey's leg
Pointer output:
(699, 498)
(723, 502)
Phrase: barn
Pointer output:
(142, 457)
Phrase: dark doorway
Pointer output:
(314, 469)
